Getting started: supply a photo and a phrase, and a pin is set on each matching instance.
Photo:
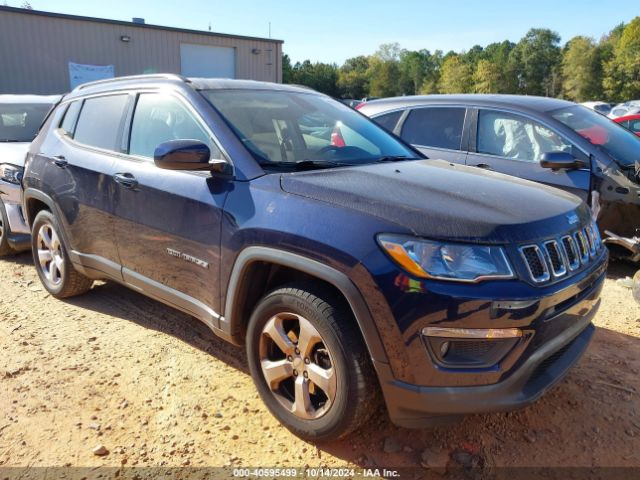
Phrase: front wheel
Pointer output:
(309, 362)
(52, 261)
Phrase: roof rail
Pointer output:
(151, 76)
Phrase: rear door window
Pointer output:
(100, 121)
(389, 120)
(439, 127)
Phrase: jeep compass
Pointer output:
(353, 269)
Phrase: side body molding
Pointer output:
(231, 320)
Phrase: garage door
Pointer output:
(206, 61)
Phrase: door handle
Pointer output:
(60, 161)
(486, 166)
(126, 180)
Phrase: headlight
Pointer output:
(447, 261)
(11, 173)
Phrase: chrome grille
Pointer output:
(591, 240)
(556, 258)
(535, 263)
(571, 252)
(583, 249)
(554, 254)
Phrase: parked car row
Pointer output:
(624, 109)
(546, 140)
(630, 122)
(350, 266)
(603, 108)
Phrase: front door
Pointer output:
(513, 144)
(167, 223)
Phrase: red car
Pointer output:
(630, 122)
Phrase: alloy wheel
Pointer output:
(50, 255)
(297, 366)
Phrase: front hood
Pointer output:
(436, 199)
(13, 153)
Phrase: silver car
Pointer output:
(20, 119)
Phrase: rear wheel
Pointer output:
(309, 362)
(52, 262)
(5, 248)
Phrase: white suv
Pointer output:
(20, 120)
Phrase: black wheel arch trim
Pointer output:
(33, 194)
(231, 322)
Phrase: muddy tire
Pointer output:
(309, 362)
(56, 272)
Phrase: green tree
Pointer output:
(473, 56)
(287, 69)
(353, 77)
(456, 76)
(581, 70)
(499, 55)
(622, 72)
(487, 77)
(384, 78)
(322, 77)
(384, 71)
(535, 61)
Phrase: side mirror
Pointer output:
(187, 155)
(564, 160)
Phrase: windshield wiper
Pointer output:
(12, 140)
(394, 158)
(302, 164)
(307, 163)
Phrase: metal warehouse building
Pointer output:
(46, 53)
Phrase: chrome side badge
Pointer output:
(187, 258)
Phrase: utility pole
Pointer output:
(269, 29)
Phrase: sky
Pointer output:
(334, 30)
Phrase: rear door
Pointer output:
(511, 143)
(438, 132)
(80, 157)
(167, 223)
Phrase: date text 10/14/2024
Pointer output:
(319, 472)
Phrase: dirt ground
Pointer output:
(156, 387)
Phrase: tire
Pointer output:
(335, 356)
(5, 248)
(56, 272)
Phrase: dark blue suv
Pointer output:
(351, 268)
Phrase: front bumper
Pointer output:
(411, 406)
(561, 334)
(18, 235)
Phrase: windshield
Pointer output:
(19, 122)
(288, 128)
(614, 139)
